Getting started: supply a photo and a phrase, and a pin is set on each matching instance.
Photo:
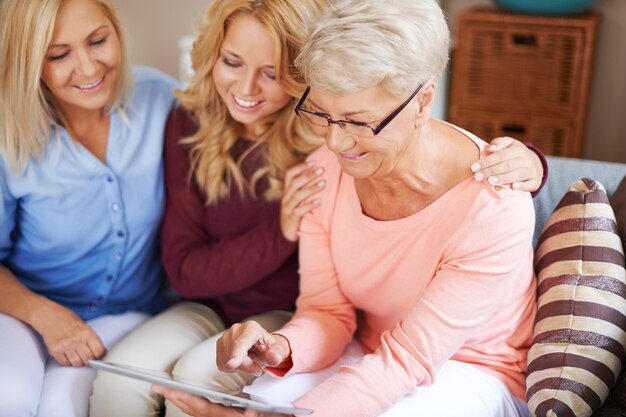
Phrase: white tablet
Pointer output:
(211, 392)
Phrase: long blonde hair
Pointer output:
(27, 108)
(287, 140)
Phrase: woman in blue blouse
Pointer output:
(82, 199)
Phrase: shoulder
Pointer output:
(333, 175)
(152, 97)
(152, 77)
(327, 159)
(8, 175)
(153, 87)
(180, 124)
(4, 172)
(495, 213)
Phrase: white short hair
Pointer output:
(360, 44)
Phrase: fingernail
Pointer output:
(516, 185)
(321, 183)
(479, 176)
(317, 202)
(310, 162)
(492, 180)
(475, 167)
(319, 170)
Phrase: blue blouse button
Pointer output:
(121, 234)
(116, 207)
(117, 255)
(109, 178)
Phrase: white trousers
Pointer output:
(460, 390)
(181, 340)
(32, 383)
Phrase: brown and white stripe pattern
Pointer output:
(580, 329)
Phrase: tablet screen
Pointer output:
(213, 393)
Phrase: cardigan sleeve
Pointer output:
(198, 264)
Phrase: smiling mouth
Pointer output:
(353, 156)
(85, 87)
(248, 104)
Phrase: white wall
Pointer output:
(605, 137)
(155, 26)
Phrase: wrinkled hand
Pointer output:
(301, 183)
(249, 347)
(70, 341)
(509, 161)
(197, 406)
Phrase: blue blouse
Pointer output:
(85, 233)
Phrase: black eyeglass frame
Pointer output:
(375, 130)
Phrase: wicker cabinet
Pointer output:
(523, 76)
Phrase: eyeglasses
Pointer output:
(357, 128)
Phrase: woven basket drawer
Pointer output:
(552, 135)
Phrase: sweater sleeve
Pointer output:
(325, 320)
(198, 264)
(544, 165)
(467, 290)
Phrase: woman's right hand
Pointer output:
(70, 341)
(196, 406)
(249, 347)
(301, 183)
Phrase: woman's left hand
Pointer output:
(197, 406)
(509, 161)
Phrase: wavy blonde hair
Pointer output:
(27, 108)
(285, 141)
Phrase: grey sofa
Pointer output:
(562, 172)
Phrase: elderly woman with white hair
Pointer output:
(414, 277)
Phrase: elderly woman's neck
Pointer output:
(436, 161)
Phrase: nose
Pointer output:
(86, 65)
(337, 140)
(250, 85)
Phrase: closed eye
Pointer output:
(357, 123)
(319, 113)
(59, 57)
(230, 63)
(98, 41)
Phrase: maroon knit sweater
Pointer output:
(231, 255)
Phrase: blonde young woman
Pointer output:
(82, 196)
(233, 149)
(415, 277)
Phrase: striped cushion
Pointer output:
(580, 337)
(618, 202)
